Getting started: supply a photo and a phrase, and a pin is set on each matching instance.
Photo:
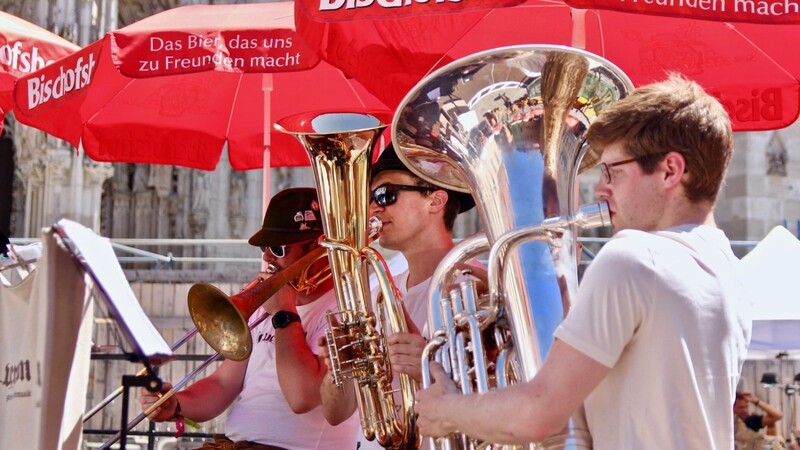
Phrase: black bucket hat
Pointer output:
(389, 160)
(292, 216)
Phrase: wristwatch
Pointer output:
(282, 319)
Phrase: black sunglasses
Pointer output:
(386, 194)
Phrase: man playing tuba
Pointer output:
(655, 341)
(418, 221)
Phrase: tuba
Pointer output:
(340, 147)
(508, 126)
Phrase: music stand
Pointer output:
(143, 343)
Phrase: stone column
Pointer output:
(198, 216)
(237, 210)
(94, 177)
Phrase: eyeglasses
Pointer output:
(605, 167)
(386, 194)
(278, 251)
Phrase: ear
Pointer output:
(674, 169)
(438, 200)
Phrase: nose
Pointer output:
(601, 190)
(374, 207)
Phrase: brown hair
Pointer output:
(451, 208)
(673, 115)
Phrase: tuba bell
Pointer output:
(508, 126)
(340, 147)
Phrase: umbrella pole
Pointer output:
(266, 86)
(578, 28)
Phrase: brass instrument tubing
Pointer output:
(587, 216)
(449, 330)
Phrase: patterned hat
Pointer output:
(292, 216)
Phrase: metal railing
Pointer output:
(129, 251)
(132, 251)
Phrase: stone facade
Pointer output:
(762, 189)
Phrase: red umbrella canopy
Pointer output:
(336, 10)
(174, 87)
(751, 68)
(24, 48)
(756, 11)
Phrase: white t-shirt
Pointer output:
(415, 301)
(262, 414)
(665, 312)
(21, 389)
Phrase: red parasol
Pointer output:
(174, 87)
(336, 10)
(24, 48)
(760, 11)
(752, 68)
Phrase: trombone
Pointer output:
(177, 387)
(271, 269)
(221, 321)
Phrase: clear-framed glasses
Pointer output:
(386, 194)
(605, 167)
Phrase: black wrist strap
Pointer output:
(177, 410)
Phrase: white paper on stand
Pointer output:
(97, 256)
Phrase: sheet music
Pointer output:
(101, 263)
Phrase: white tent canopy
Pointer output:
(770, 275)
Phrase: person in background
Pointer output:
(748, 426)
(655, 341)
(274, 395)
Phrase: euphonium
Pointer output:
(508, 126)
(340, 147)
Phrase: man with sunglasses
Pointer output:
(274, 396)
(418, 221)
(654, 343)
